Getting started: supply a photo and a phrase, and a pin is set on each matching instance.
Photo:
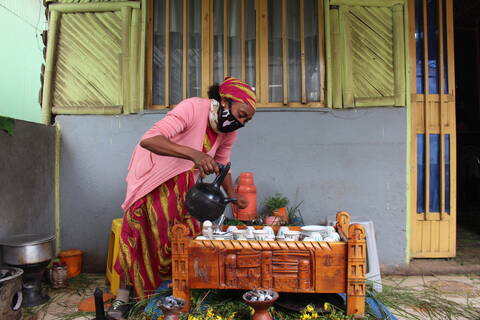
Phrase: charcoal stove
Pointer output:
(10, 293)
(32, 253)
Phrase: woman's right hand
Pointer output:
(205, 164)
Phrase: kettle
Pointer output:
(205, 201)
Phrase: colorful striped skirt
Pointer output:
(144, 259)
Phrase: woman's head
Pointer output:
(237, 101)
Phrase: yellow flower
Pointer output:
(218, 318)
(210, 313)
(326, 306)
(305, 316)
(161, 317)
(314, 315)
(252, 311)
(232, 316)
(309, 308)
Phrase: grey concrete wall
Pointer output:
(26, 179)
(351, 160)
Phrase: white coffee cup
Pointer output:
(330, 230)
(249, 232)
(316, 236)
(201, 238)
(281, 232)
(232, 229)
(309, 239)
(260, 234)
(240, 234)
(270, 231)
(207, 229)
(291, 235)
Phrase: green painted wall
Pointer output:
(21, 57)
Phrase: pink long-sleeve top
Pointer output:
(186, 125)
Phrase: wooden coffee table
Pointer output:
(283, 266)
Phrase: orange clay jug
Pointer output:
(244, 185)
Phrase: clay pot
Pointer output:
(73, 260)
(272, 220)
(58, 275)
(281, 212)
(246, 187)
(261, 307)
(170, 312)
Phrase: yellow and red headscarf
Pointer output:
(237, 90)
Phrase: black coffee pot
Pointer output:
(205, 201)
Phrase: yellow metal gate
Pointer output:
(433, 136)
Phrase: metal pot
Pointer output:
(205, 201)
(26, 249)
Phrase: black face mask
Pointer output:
(226, 121)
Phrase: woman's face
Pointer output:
(241, 111)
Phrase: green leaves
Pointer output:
(276, 201)
(7, 124)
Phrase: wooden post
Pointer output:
(304, 274)
(149, 52)
(167, 53)
(426, 115)
(225, 39)
(180, 264)
(321, 45)
(93, 7)
(346, 57)
(206, 47)
(398, 55)
(343, 220)
(47, 98)
(284, 52)
(126, 21)
(336, 82)
(267, 270)
(302, 51)
(356, 270)
(185, 49)
(134, 48)
(328, 53)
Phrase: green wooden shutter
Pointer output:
(95, 59)
(367, 49)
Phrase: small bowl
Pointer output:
(334, 237)
(232, 229)
(308, 230)
(292, 235)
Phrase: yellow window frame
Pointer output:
(261, 58)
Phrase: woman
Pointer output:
(189, 141)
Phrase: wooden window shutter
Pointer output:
(95, 59)
(367, 50)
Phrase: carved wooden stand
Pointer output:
(283, 266)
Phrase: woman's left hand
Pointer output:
(241, 202)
